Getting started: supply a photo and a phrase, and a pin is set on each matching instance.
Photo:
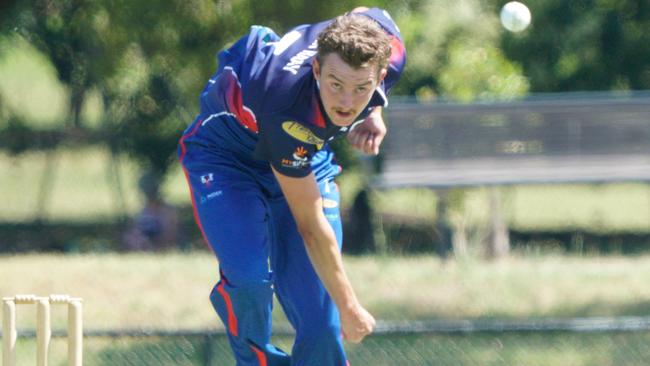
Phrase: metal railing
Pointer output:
(544, 341)
(585, 137)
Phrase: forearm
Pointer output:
(323, 251)
(306, 205)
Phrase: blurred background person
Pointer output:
(155, 227)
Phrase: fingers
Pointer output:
(365, 141)
(357, 335)
(356, 324)
(371, 145)
(357, 338)
(357, 138)
(376, 142)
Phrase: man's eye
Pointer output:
(336, 86)
(362, 89)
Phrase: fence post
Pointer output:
(444, 232)
(499, 242)
(207, 349)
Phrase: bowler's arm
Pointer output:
(306, 205)
(369, 134)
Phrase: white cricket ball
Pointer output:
(515, 16)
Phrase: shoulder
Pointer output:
(286, 77)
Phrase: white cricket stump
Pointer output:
(43, 327)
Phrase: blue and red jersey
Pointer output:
(266, 84)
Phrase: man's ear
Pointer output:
(315, 67)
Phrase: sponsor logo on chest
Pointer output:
(302, 133)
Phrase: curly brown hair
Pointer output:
(357, 39)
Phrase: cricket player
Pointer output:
(261, 178)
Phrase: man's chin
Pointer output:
(343, 122)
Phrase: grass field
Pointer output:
(171, 291)
(29, 87)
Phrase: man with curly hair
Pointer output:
(261, 178)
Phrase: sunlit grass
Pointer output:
(171, 290)
(538, 286)
(28, 84)
(601, 208)
(30, 89)
(80, 185)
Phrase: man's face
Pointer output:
(345, 91)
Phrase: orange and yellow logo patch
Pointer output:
(302, 133)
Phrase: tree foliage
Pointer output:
(584, 45)
(453, 52)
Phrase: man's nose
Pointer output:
(346, 101)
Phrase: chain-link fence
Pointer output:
(587, 341)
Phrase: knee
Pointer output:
(241, 294)
(245, 308)
(245, 275)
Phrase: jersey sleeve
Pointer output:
(288, 146)
(397, 60)
(384, 19)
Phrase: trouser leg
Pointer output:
(233, 216)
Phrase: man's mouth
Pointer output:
(343, 114)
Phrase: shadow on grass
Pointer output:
(473, 348)
(158, 351)
(505, 348)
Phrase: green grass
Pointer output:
(171, 291)
(603, 208)
(29, 87)
(82, 185)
